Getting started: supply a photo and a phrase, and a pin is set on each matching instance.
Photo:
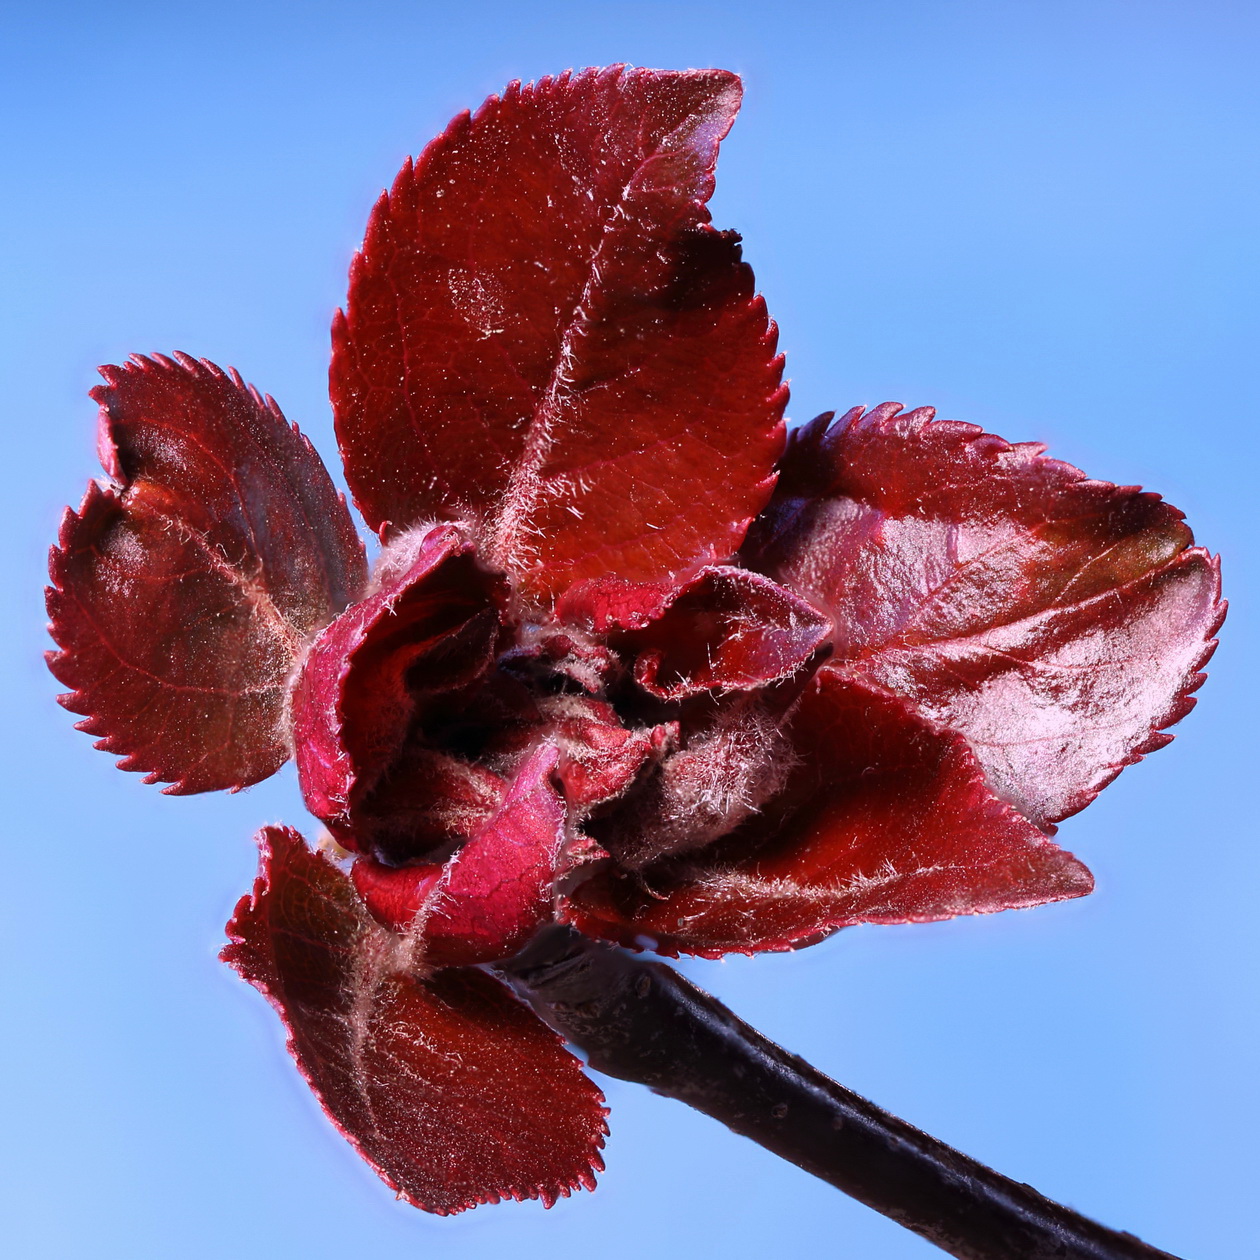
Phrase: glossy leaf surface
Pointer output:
(551, 342)
(184, 591)
(1058, 622)
(453, 1091)
(882, 819)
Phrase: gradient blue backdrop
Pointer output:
(1038, 216)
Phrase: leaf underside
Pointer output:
(452, 1090)
(183, 591)
(551, 342)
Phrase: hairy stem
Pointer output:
(643, 1022)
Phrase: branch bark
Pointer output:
(641, 1021)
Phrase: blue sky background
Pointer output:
(1040, 217)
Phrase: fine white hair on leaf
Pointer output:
(723, 775)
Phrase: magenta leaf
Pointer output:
(184, 591)
(880, 819)
(425, 633)
(495, 893)
(1058, 622)
(551, 342)
(454, 1092)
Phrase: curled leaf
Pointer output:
(728, 629)
(601, 758)
(370, 681)
(491, 896)
(723, 769)
(881, 819)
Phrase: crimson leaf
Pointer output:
(184, 590)
(491, 896)
(1056, 621)
(550, 341)
(426, 629)
(727, 629)
(453, 1091)
(882, 819)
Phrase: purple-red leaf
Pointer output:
(495, 893)
(720, 767)
(546, 338)
(1058, 622)
(453, 1091)
(184, 591)
(882, 819)
(728, 629)
(427, 630)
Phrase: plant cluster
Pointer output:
(631, 658)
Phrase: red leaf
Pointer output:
(495, 893)
(1058, 622)
(883, 819)
(733, 759)
(610, 603)
(451, 1089)
(427, 630)
(549, 652)
(549, 340)
(394, 895)
(727, 629)
(184, 592)
(601, 758)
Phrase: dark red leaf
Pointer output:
(495, 893)
(451, 1089)
(549, 652)
(882, 819)
(545, 337)
(727, 629)
(184, 591)
(1058, 622)
(427, 630)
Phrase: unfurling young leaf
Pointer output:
(629, 661)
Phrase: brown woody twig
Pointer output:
(641, 1021)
